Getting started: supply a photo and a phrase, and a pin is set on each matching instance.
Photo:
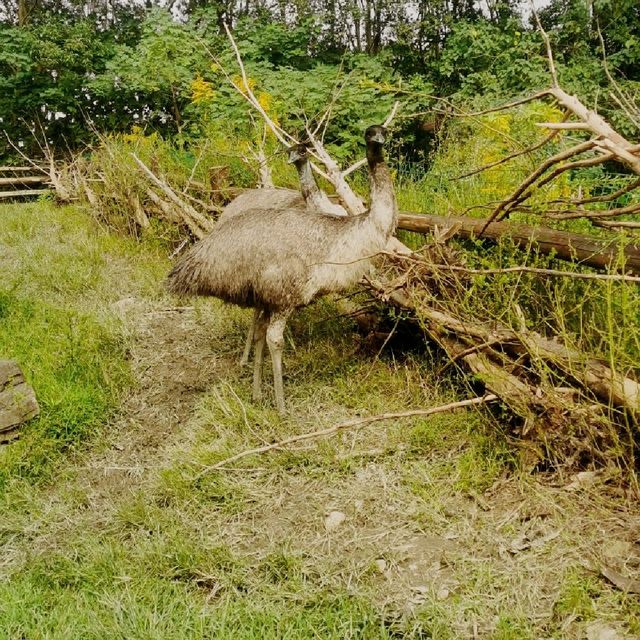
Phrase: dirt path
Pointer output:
(173, 365)
(364, 515)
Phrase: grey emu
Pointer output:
(310, 194)
(313, 196)
(277, 260)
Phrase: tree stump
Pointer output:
(17, 401)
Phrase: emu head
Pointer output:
(297, 153)
(376, 135)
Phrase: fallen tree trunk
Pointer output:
(565, 245)
(594, 376)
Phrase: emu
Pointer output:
(310, 194)
(276, 260)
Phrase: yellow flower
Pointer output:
(135, 135)
(201, 90)
(239, 83)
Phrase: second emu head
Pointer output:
(298, 153)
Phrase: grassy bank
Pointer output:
(61, 278)
(125, 534)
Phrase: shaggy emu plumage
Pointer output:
(276, 260)
(310, 195)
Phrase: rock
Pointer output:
(333, 520)
(601, 631)
(17, 400)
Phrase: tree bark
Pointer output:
(572, 247)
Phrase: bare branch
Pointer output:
(516, 197)
(392, 114)
(547, 43)
(606, 198)
(627, 105)
(564, 126)
(352, 203)
(354, 167)
(584, 213)
(608, 277)
(504, 107)
(616, 224)
(197, 223)
(511, 156)
(578, 164)
(282, 136)
(350, 424)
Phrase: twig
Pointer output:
(616, 224)
(381, 349)
(627, 105)
(583, 213)
(179, 248)
(466, 352)
(605, 198)
(197, 223)
(248, 94)
(515, 198)
(504, 107)
(564, 126)
(392, 114)
(611, 277)
(547, 44)
(350, 424)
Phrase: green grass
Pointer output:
(60, 276)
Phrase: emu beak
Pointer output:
(378, 137)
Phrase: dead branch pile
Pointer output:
(564, 407)
(128, 194)
(602, 144)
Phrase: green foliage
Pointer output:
(43, 73)
(145, 68)
(151, 81)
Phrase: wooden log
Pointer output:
(21, 169)
(17, 400)
(573, 247)
(23, 192)
(23, 180)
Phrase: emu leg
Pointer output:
(259, 338)
(249, 342)
(275, 340)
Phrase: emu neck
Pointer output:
(308, 184)
(383, 207)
